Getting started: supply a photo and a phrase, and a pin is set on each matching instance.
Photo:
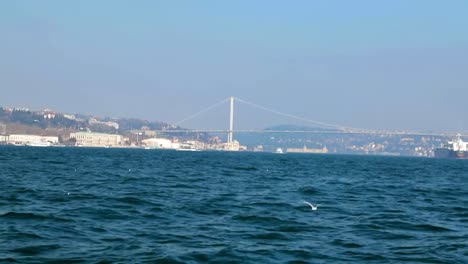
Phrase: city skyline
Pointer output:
(392, 66)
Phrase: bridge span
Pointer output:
(328, 128)
(217, 131)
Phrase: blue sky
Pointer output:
(368, 64)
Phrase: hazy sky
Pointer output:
(368, 64)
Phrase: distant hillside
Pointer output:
(48, 122)
(270, 141)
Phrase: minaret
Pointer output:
(231, 123)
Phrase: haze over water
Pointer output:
(134, 205)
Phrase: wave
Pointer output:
(32, 216)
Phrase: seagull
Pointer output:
(314, 207)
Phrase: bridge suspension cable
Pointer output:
(298, 117)
(342, 129)
(201, 111)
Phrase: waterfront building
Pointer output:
(232, 146)
(160, 143)
(92, 139)
(31, 139)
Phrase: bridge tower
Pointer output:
(231, 122)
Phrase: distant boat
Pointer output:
(454, 149)
(279, 151)
(187, 147)
(39, 144)
(16, 144)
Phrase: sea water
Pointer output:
(135, 205)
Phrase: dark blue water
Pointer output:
(121, 205)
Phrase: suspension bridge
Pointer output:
(325, 128)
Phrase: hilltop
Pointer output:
(52, 123)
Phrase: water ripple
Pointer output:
(66, 205)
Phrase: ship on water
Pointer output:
(453, 149)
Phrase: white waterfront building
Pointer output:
(92, 139)
(23, 139)
(160, 143)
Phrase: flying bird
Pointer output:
(314, 207)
